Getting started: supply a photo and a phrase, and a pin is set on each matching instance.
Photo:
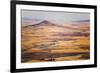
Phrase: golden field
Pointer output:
(46, 41)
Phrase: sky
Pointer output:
(54, 16)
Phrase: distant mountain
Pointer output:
(45, 23)
(48, 23)
(84, 21)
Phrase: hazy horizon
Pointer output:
(33, 16)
